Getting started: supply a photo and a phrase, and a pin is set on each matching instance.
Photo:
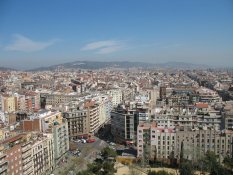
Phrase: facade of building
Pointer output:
(27, 158)
(61, 139)
(164, 143)
(14, 158)
(50, 122)
(155, 143)
(227, 120)
(116, 96)
(197, 143)
(9, 103)
(53, 99)
(43, 154)
(123, 126)
(78, 121)
(3, 163)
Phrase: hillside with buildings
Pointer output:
(159, 115)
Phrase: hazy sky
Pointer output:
(36, 33)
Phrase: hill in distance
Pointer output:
(120, 64)
(7, 69)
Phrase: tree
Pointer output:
(108, 152)
(172, 159)
(213, 166)
(85, 173)
(108, 168)
(220, 170)
(151, 173)
(182, 152)
(228, 161)
(94, 167)
(155, 154)
(210, 161)
(159, 173)
(186, 168)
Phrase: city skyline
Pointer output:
(41, 33)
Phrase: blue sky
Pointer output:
(43, 32)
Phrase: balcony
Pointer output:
(26, 148)
(2, 162)
(28, 154)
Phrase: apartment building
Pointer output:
(125, 119)
(198, 142)
(56, 99)
(164, 143)
(9, 103)
(84, 117)
(18, 160)
(14, 156)
(123, 126)
(43, 154)
(105, 107)
(155, 143)
(78, 120)
(189, 120)
(3, 162)
(227, 119)
(61, 139)
(199, 115)
(208, 95)
(50, 122)
(93, 112)
(116, 96)
(27, 157)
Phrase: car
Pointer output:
(84, 141)
(78, 154)
(77, 141)
(91, 140)
(112, 144)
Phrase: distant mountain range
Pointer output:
(6, 69)
(120, 64)
(184, 65)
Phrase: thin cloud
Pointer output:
(104, 47)
(24, 44)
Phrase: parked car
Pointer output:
(84, 141)
(77, 141)
(78, 154)
(91, 140)
(112, 144)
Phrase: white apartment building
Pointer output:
(155, 142)
(116, 95)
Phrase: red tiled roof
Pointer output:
(13, 139)
(202, 105)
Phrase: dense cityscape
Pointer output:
(145, 116)
(116, 87)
